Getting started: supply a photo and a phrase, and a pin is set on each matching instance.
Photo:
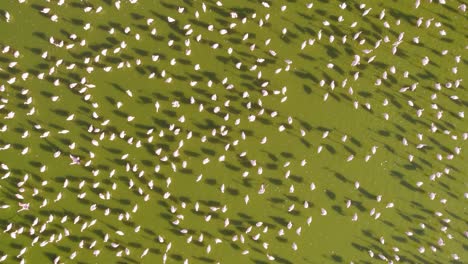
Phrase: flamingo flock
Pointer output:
(227, 132)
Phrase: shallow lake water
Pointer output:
(233, 131)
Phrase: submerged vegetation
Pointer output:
(233, 131)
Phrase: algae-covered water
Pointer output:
(233, 131)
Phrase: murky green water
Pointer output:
(336, 119)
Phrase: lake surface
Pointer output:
(233, 132)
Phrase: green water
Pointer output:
(330, 238)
